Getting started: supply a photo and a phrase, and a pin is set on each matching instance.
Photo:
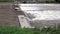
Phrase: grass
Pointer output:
(43, 1)
(6, 0)
(18, 30)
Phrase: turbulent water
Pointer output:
(41, 12)
(44, 15)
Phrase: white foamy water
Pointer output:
(45, 15)
(41, 12)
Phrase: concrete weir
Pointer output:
(41, 14)
(23, 21)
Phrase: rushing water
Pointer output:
(44, 15)
(41, 11)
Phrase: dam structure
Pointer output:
(40, 14)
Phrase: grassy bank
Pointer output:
(6, 0)
(40, 1)
(18, 30)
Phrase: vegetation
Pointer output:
(58, 1)
(39, 1)
(6, 0)
(18, 30)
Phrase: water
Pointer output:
(41, 11)
(45, 15)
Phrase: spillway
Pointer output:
(41, 13)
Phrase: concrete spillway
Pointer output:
(42, 12)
